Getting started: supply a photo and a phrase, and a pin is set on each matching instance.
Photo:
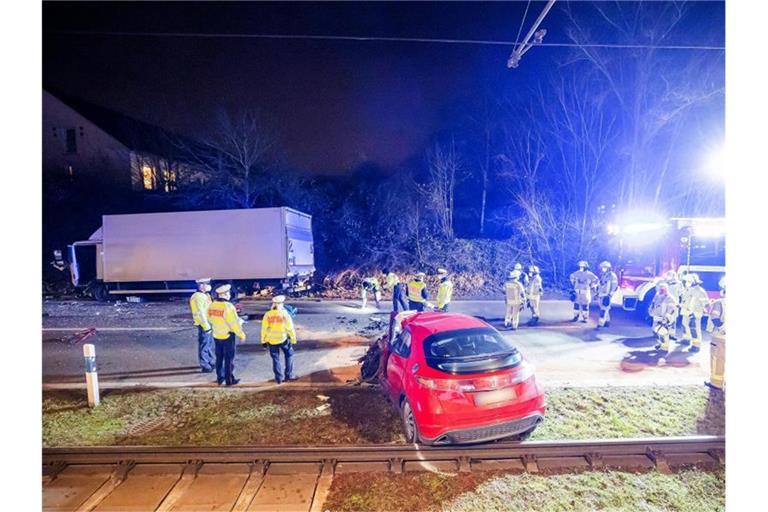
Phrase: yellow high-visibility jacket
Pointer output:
(223, 318)
(392, 280)
(199, 303)
(277, 326)
(444, 293)
(417, 291)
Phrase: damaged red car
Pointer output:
(455, 379)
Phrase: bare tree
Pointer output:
(231, 163)
(443, 170)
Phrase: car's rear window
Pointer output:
(475, 350)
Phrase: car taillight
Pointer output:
(523, 373)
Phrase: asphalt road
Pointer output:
(155, 344)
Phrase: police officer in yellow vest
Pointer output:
(278, 334)
(444, 291)
(226, 327)
(716, 326)
(199, 303)
(417, 292)
(398, 291)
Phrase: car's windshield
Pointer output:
(470, 351)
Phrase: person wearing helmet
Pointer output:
(370, 284)
(534, 291)
(663, 310)
(523, 275)
(444, 291)
(607, 286)
(716, 327)
(676, 292)
(514, 295)
(199, 303)
(583, 281)
(693, 307)
(417, 292)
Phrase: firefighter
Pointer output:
(371, 284)
(278, 334)
(226, 326)
(607, 286)
(676, 292)
(523, 275)
(663, 310)
(444, 291)
(514, 294)
(583, 281)
(199, 303)
(417, 292)
(716, 327)
(534, 291)
(398, 291)
(693, 307)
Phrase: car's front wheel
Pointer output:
(410, 428)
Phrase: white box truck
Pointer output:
(163, 253)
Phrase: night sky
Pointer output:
(335, 104)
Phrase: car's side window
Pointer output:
(402, 345)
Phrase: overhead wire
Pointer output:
(383, 39)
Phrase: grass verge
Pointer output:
(350, 416)
(688, 490)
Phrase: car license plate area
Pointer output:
(494, 397)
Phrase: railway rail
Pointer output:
(299, 478)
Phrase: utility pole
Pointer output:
(526, 44)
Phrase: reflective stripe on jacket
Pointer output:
(417, 291)
(695, 301)
(223, 318)
(514, 292)
(535, 287)
(664, 308)
(277, 326)
(444, 293)
(609, 283)
(199, 303)
(583, 280)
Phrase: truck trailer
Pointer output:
(164, 253)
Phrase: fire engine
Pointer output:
(646, 251)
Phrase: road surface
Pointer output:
(155, 344)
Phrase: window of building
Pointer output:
(148, 177)
(71, 141)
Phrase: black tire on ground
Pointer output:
(100, 292)
(410, 429)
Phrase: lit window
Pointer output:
(148, 176)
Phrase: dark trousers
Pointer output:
(205, 353)
(444, 309)
(415, 306)
(225, 360)
(274, 351)
(398, 298)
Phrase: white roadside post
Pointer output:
(91, 377)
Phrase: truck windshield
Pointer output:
(475, 350)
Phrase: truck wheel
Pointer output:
(410, 428)
(100, 292)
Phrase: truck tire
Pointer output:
(100, 292)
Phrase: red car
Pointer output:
(455, 379)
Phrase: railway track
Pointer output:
(299, 478)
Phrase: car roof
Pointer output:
(431, 323)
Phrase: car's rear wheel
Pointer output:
(410, 428)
